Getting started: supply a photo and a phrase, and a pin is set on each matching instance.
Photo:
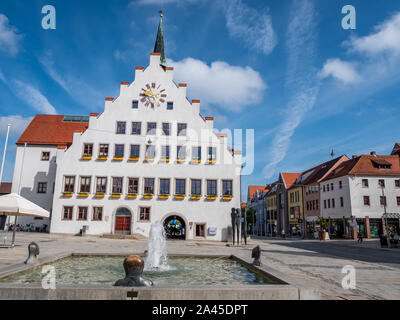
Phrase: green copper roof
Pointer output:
(159, 45)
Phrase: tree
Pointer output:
(250, 216)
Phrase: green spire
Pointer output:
(159, 45)
(332, 154)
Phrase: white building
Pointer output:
(256, 200)
(149, 156)
(354, 191)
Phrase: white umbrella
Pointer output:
(15, 205)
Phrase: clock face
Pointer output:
(153, 95)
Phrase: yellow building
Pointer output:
(296, 212)
(272, 211)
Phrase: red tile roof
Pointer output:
(367, 165)
(289, 178)
(51, 130)
(253, 189)
(243, 205)
(5, 187)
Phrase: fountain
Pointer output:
(157, 257)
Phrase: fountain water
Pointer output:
(157, 256)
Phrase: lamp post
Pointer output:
(386, 221)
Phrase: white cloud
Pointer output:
(341, 70)
(18, 124)
(251, 26)
(301, 81)
(33, 97)
(9, 37)
(230, 87)
(162, 2)
(2, 77)
(76, 87)
(386, 38)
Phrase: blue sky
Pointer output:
(286, 69)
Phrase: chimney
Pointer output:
(373, 153)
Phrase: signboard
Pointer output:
(212, 231)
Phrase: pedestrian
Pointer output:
(283, 233)
(360, 237)
(396, 238)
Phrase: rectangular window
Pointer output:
(381, 183)
(149, 186)
(341, 202)
(324, 204)
(119, 150)
(151, 128)
(398, 201)
(69, 184)
(200, 230)
(397, 183)
(182, 127)
(333, 203)
(164, 152)
(227, 188)
(67, 214)
(166, 129)
(45, 156)
(365, 183)
(323, 188)
(383, 201)
(133, 185)
(144, 214)
(88, 149)
(150, 152)
(329, 203)
(164, 186)
(366, 201)
(170, 105)
(103, 150)
(135, 151)
(135, 104)
(97, 214)
(340, 185)
(121, 127)
(211, 187)
(332, 186)
(196, 153)
(181, 152)
(85, 184)
(327, 187)
(212, 154)
(101, 185)
(196, 187)
(117, 185)
(82, 213)
(180, 186)
(42, 187)
(136, 128)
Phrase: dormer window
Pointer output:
(45, 156)
(121, 127)
(135, 104)
(170, 105)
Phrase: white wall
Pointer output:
(102, 130)
(338, 211)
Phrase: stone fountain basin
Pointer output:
(274, 289)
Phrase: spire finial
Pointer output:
(332, 154)
(161, 14)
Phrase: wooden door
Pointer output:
(122, 224)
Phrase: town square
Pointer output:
(229, 150)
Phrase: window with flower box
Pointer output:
(133, 185)
(196, 154)
(165, 153)
(135, 152)
(150, 152)
(181, 153)
(119, 151)
(69, 184)
(87, 150)
(85, 184)
(211, 187)
(103, 151)
(196, 187)
(149, 186)
(101, 185)
(164, 186)
(180, 186)
(227, 188)
(212, 154)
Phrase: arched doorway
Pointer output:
(123, 220)
(175, 227)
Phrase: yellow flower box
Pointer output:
(196, 160)
(118, 158)
(102, 158)
(195, 197)
(83, 194)
(134, 159)
(164, 160)
(180, 160)
(227, 198)
(148, 196)
(163, 196)
(116, 195)
(211, 197)
(149, 159)
(67, 194)
(132, 196)
(179, 196)
(99, 195)
(86, 158)
(212, 161)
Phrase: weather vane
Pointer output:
(161, 14)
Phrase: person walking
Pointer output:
(360, 237)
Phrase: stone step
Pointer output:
(134, 236)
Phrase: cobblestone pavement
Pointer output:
(307, 263)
